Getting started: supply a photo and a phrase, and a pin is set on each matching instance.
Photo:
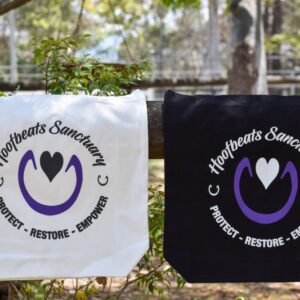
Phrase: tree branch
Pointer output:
(7, 5)
(78, 24)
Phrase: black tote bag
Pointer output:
(232, 167)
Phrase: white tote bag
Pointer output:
(73, 185)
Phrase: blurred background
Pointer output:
(207, 46)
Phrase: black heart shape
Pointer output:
(51, 165)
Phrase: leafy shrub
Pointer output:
(65, 72)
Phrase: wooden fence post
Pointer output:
(155, 128)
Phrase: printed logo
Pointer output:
(51, 166)
(261, 190)
(266, 173)
(62, 185)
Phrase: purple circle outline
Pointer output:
(261, 217)
(44, 209)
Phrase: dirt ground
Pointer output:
(225, 291)
(253, 291)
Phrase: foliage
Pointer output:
(41, 19)
(145, 26)
(291, 43)
(38, 20)
(153, 273)
(56, 20)
(65, 72)
(181, 3)
(138, 22)
(287, 41)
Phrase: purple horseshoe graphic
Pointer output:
(50, 210)
(261, 217)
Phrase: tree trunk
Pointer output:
(213, 39)
(277, 17)
(13, 56)
(277, 28)
(161, 40)
(266, 18)
(247, 73)
(260, 86)
(7, 5)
